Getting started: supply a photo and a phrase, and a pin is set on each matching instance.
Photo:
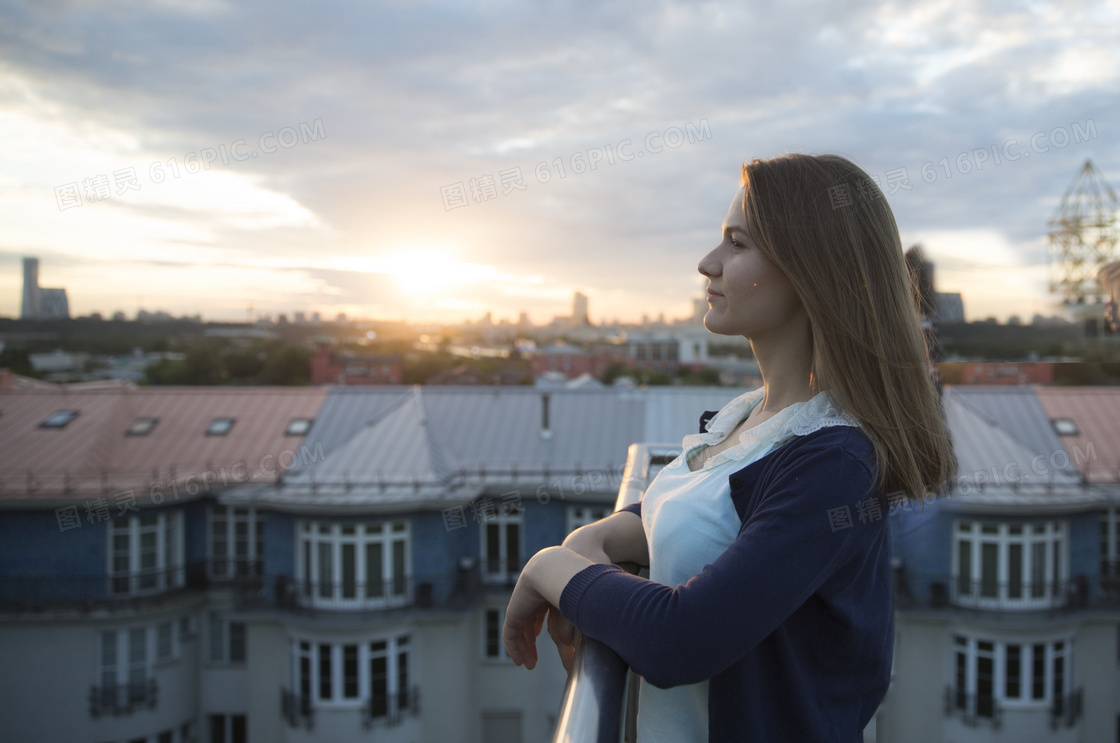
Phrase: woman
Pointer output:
(768, 612)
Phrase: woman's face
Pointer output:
(747, 293)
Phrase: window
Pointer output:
(583, 515)
(1010, 565)
(220, 426)
(229, 729)
(374, 674)
(354, 565)
(164, 645)
(146, 553)
(141, 427)
(298, 426)
(501, 544)
(59, 419)
(1065, 427)
(126, 660)
(227, 639)
(990, 674)
(236, 542)
(492, 646)
(186, 626)
(1110, 551)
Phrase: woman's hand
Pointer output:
(564, 634)
(536, 595)
(525, 616)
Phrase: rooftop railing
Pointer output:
(600, 704)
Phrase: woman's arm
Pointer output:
(618, 538)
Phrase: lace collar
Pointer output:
(798, 419)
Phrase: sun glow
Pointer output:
(421, 271)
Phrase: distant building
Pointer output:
(58, 360)
(579, 309)
(950, 307)
(41, 303)
(343, 369)
(30, 308)
(998, 372)
(570, 361)
(1109, 278)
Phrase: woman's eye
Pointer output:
(737, 244)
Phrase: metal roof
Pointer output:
(92, 455)
(997, 440)
(1096, 413)
(404, 445)
(674, 412)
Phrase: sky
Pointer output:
(434, 161)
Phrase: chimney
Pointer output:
(546, 430)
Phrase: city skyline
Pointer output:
(433, 163)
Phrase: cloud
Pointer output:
(413, 97)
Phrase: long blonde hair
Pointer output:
(827, 225)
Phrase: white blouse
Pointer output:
(689, 520)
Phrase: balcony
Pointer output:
(973, 709)
(391, 709)
(948, 591)
(235, 569)
(88, 592)
(296, 709)
(449, 590)
(1066, 710)
(122, 699)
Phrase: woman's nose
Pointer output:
(708, 265)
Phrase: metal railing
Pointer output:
(452, 589)
(973, 708)
(296, 709)
(599, 704)
(391, 709)
(104, 590)
(122, 699)
(948, 591)
(1065, 710)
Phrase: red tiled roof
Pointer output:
(1095, 450)
(92, 455)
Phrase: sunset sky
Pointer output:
(202, 156)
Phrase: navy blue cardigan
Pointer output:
(793, 625)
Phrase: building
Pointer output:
(348, 368)
(293, 564)
(579, 310)
(40, 303)
(950, 307)
(571, 361)
(1109, 278)
(1007, 601)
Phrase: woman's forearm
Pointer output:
(549, 571)
(617, 538)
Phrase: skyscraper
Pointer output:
(41, 303)
(579, 309)
(31, 300)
